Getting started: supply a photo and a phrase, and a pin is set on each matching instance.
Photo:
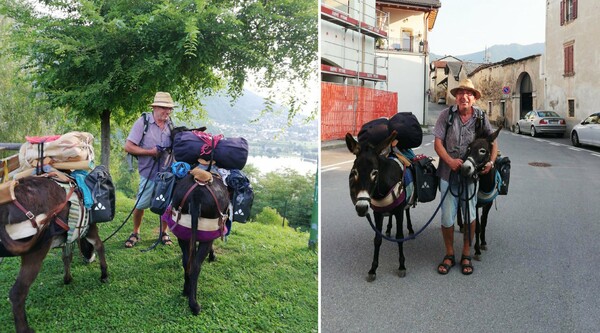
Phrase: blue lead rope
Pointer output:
(400, 240)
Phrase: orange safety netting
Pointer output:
(346, 108)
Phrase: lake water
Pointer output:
(268, 164)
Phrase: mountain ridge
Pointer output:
(498, 53)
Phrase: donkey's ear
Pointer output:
(386, 143)
(494, 135)
(352, 144)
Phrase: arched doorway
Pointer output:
(526, 93)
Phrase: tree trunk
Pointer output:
(105, 138)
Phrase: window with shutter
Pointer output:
(571, 103)
(569, 60)
(568, 11)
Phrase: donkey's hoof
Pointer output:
(477, 257)
(67, 279)
(402, 273)
(371, 277)
(484, 247)
(195, 309)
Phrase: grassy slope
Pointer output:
(264, 280)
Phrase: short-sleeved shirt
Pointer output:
(154, 136)
(460, 135)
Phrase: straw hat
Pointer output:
(466, 84)
(163, 99)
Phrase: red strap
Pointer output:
(41, 139)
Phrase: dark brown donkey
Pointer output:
(478, 154)
(376, 182)
(203, 201)
(41, 195)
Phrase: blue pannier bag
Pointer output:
(503, 167)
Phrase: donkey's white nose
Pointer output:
(467, 168)
(362, 207)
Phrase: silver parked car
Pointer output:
(587, 132)
(542, 122)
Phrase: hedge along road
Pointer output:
(538, 275)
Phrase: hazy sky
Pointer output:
(467, 26)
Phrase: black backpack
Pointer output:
(163, 192)
(243, 195)
(101, 186)
(503, 166)
(426, 180)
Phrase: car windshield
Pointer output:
(548, 114)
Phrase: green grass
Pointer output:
(265, 279)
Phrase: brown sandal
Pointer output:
(132, 240)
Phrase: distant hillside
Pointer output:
(268, 134)
(499, 52)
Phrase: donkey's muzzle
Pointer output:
(468, 168)
(362, 206)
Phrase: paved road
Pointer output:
(539, 274)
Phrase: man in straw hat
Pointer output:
(147, 144)
(454, 130)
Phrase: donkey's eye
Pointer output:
(353, 173)
(482, 151)
(374, 174)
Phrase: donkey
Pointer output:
(376, 181)
(205, 199)
(36, 196)
(478, 154)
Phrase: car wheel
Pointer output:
(533, 132)
(518, 129)
(575, 139)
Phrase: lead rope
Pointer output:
(463, 200)
(131, 212)
(400, 240)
